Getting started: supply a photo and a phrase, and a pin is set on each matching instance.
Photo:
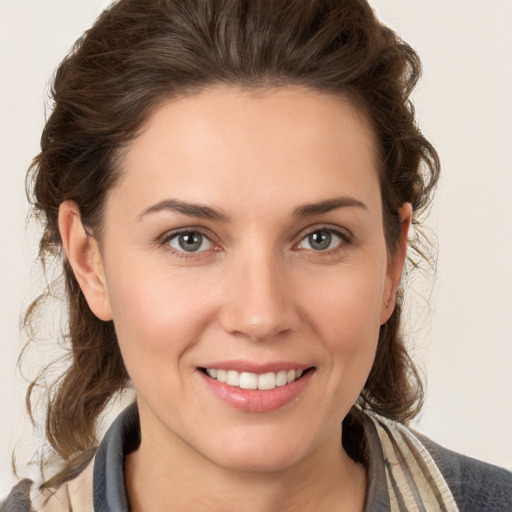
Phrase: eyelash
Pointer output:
(168, 237)
(345, 239)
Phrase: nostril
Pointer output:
(259, 310)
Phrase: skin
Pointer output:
(257, 290)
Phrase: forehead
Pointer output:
(253, 146)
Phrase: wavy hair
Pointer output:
(139, 53)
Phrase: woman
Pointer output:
(232, 185)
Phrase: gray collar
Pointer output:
(123, 437)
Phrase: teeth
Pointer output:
(246, 380)
(233, 378)
(281, 378)
(267, 381)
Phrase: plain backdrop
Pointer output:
(460, 324)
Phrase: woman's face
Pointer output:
(245, 242)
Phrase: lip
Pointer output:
(256, 401)
(241, 365)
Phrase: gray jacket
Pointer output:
(475, 485)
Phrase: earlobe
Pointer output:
(84, 256)
(396, 264)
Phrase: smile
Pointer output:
(262, 382)
(266, 388)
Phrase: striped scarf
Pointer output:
(414, 481)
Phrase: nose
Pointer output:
(259, 301)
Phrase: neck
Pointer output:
(180, 477)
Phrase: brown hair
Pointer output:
(140, 52)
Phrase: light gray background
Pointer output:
(463, 338)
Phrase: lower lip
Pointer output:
(253, 400)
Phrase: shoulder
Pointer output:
(475, 485)
(99, 477)
(76, 494)
(19, 498)
(418, 470)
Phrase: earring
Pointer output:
(387, 303)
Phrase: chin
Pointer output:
(252, 461)
(257, 451)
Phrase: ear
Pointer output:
(396, 264)
(83, 254)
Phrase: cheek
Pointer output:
(346, 314)
(348, 304)
(157, 318)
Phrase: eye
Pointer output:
(189, 241)
(322, 240)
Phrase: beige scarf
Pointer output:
(414, 481)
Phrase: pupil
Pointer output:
(320, 240)
(190, 241)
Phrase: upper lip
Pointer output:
(241, 365)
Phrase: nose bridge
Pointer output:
(259, 304)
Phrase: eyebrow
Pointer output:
(309, 210)
(193, 209)
(206, 212)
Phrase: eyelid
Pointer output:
(167, 235)
(164, 239)
(343, 233)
